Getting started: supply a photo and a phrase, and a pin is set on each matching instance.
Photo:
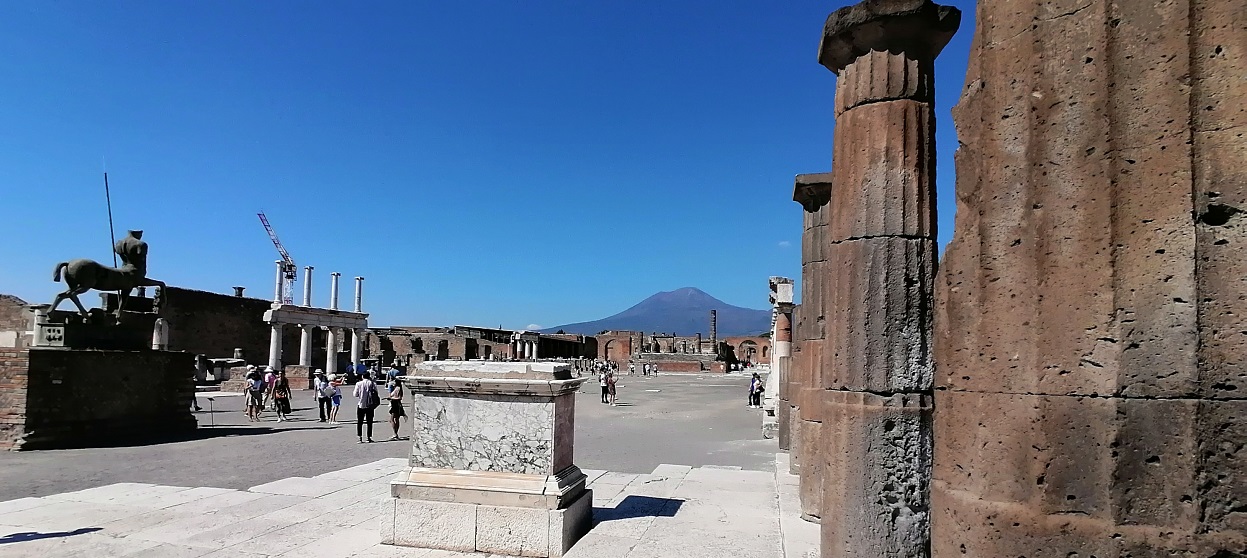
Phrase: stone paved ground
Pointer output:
(675, 511)
(692, 420)
(305, 489)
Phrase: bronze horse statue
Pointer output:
(82, 275)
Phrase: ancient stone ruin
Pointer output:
(1070, 383)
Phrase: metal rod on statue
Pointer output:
(111, 234)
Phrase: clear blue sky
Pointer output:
(478, 162)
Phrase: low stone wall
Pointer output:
(59, 398)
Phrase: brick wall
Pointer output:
(13, 374)
(14, 321)
(56, 398)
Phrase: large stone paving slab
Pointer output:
(674, 511)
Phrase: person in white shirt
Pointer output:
(367, 400)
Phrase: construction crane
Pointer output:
(288, 268)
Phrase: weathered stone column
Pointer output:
(305, 345)
(274, 346)
(536, 343)
(813, 192)
(357, 337)
(333, 290)
(307, 285)
(331, 350)
(278, 284)
(781, 356)
(880, 251)
(1091, 338)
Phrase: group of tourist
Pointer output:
(272, 390)
(646, 368)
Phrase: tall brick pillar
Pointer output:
(879, 249)
(1092, 337)
(813, 192)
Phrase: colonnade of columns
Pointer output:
(333, 333)
(525, 349)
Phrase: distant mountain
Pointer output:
(683, 312)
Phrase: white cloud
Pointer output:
(532, 326)
(784, 244)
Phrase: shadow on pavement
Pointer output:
(638, 506)
(204, 432)
(34, 536)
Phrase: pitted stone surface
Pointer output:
(1093, 297)
(881, 308)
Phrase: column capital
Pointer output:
(812, 191)
(919, 28)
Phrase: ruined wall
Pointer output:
(759, 343)
(15, 319)
(57, 398)
(213, 324)
(1090, 346)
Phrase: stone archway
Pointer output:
(746, 351)
(609, 350)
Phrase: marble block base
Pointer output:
(491, 463)
(465, 527)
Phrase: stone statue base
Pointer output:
(491, 463)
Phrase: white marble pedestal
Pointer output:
(491, 462)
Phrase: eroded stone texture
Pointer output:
(882, 455)
(1092, 332)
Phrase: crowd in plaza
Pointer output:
(270, 389)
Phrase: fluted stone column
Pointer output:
(1093, 319)
(536, 344)
(874, 437)
(813, 192)
(305, 345)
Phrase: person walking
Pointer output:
(631, 368)
(367, 400)
(396, 406)
(255, 395)
(324, 395)
(336, 384)
(602, 383)
(281, 397)
(610, 386)
(270, 380)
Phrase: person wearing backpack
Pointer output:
(367, 400)
(324, 395)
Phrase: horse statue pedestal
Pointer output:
(101, 330)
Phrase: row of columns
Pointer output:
(305, 339)
(524, 349)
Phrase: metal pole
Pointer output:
(112, 235)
